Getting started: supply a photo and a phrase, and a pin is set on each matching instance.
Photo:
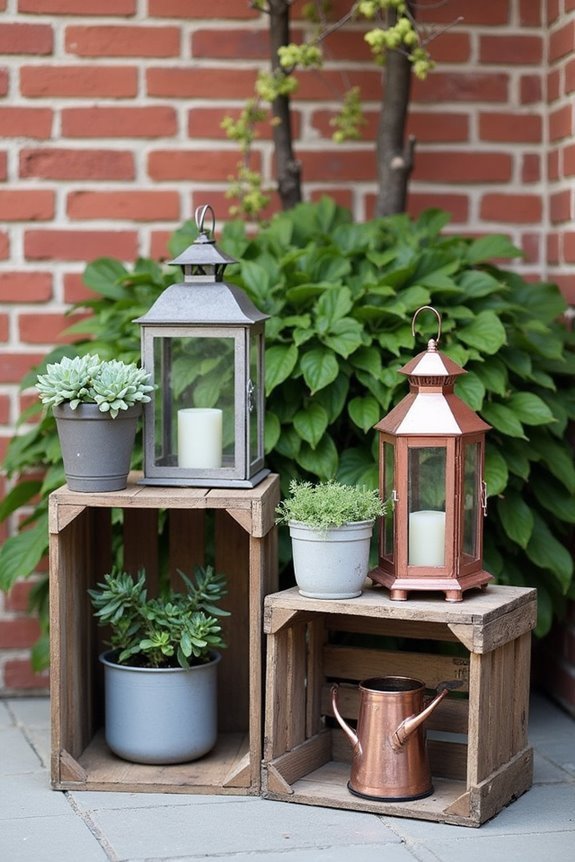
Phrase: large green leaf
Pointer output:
(365, 412)
(332, 398)
(20, 554)
(516, 455)
(496, 472)
(412, 298)
(333, 305)
(345, 336)
(487, 247)
(21, 494)
(516, 517)
(477, 283)
(272, 431)
(471, 390)
(289, 442)
(554, 497)
(557, 457)
(530, 408)
(493, 375)
(485, 332)
(397, 340)
(544, 611)
(548, 553)
(544, 301)
(517, 360)
(311, 423)
(368, 359)
(321, 461)
(503, 418)
(105, 276)
(257, 281)
(357, 467)
(320, 368)
(280, 362)
(378, 389)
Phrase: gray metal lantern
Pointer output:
(203, 343)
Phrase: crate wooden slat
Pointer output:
(245, 549)
(477, 738)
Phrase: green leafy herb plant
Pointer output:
(176, 629)
(325, 505)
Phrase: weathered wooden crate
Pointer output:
(477, 738)
(243, 538)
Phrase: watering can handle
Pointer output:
(353, 738)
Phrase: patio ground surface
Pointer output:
(38, 824)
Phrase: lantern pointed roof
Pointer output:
(431, 407)
(432, 363)
(202, 252)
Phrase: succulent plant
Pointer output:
(174, 629)
(113, 385)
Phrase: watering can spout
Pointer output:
(410, 724)
(353, 738)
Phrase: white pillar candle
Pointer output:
(427, 538)
(200, 438)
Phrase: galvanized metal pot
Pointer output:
(389, 751)
(160, 715)
(331, 564)
(96, 449)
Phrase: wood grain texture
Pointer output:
(477, 737)
(81, 553)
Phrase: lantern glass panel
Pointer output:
(426, 505)
(387, 488)
(253, 395)
(195, 427)
(471, 465)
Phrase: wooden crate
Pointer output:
(477, 737)
(242, 535)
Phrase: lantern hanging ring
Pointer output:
(437, 314)
(200, 216)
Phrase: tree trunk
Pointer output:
(394, 152)
(288, 168)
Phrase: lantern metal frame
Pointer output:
(432, 417)
(204, 307)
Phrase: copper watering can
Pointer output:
(389, 751)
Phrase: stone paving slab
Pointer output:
(49, 839)
(17, 755)
(258, 827)
(502, 848)
(38, 824)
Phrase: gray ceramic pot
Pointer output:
(96, 449)
(161, 715)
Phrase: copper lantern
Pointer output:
(431, 462)
(203, 342)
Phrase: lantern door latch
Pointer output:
(484, 497)
(251, 392)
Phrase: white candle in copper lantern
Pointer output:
(427, 538)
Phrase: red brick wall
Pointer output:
(110, 136)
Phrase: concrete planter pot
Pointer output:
(96, 449)
(331, 564)
(160, 715)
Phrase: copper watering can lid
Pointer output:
(391, 684)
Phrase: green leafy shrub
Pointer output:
(176, 629)
(341, 298)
